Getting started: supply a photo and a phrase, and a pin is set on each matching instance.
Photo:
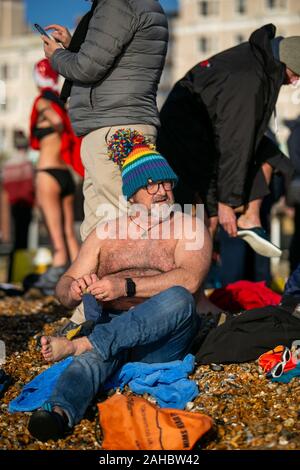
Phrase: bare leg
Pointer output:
(70, 236)
(49, 201)
(5, 217)
(251, 216)
(57, 348)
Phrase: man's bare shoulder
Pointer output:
(114, 229)
(189, 221)
(92, 239)
(190, 231)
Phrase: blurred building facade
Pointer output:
(198, 29)
(20, 48)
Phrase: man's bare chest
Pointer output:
(144, 255)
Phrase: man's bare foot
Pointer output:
(56, 348)
(245, 222)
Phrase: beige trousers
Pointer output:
(102, 181)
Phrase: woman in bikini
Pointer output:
(52, 135)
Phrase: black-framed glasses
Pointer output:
(153, 188)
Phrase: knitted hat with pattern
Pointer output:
(138, 160)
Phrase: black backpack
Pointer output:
(247, 335)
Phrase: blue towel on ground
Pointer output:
(167, 381)
(288, 376)
(36, 392)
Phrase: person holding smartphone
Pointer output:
(112, 66)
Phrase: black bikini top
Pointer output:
(40, 132)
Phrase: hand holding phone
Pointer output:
(60, 33)
(41, 30)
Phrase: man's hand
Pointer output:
(79, 286)
(108, 289)
(227, 219)
(60, 33)
(50, 46)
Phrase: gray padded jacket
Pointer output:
(116, 72)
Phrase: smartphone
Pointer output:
(41, 30)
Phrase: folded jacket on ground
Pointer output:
(166, 382)
(244, 295)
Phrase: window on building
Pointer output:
(241, 6)
(13, 71)
(209, 7)
(3, 72)
(239, 38)
(6, 105)
(2, 92)
(208, 45)
(276, 4)
(203, 45)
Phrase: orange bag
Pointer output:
(133, 423)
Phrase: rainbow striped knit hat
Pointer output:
(138, 160)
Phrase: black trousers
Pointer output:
(256, 185)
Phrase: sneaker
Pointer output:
(72, 330)
(63, 330)
(5, 382)
(47, 281)
(258, 239)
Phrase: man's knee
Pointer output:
(180, 298)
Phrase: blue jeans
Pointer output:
(161, 329)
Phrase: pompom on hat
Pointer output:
(138, 160)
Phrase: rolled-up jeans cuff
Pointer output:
(66, 409)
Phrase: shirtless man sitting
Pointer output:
(144, 287)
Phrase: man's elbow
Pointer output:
(88, 73)
(193, 284)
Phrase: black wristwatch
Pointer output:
(130, 287)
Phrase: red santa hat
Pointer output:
(45, 76)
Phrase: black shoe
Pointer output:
(5, 382)
(45, 425)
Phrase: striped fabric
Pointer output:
(144, 164)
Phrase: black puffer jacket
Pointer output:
(214, 120)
